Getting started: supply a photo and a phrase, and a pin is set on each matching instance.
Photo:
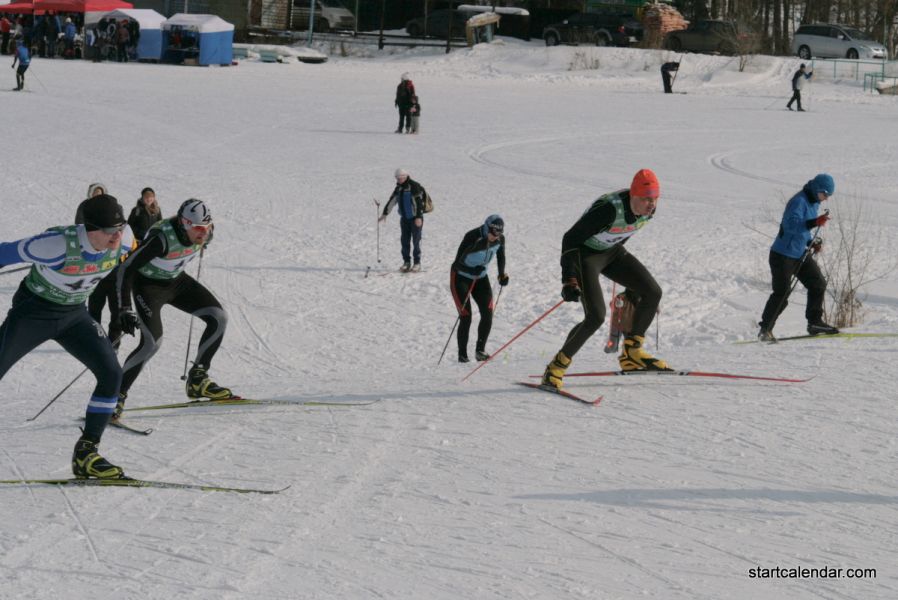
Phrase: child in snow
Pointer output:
(415, 112)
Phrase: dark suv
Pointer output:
(437, 24)
(610, 28)
(724, 37)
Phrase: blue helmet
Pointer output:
(493, 222)
(823, 183)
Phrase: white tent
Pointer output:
(149, 46)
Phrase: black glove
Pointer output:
(571, 290)
(128, 321)
(503, 279)
(816, 246)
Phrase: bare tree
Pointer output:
(855, 255)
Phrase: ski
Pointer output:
(125, 427)
(118, 423)
(820, 336)
(558, 392)
(685, 374)
(238, 401)
(138, 483)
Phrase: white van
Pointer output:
(329, 14)
(825, 40)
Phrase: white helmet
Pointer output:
(400, 172)
(194, 212)
(405, 77)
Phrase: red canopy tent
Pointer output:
(17, 8)
(80, 6)
(64, 6)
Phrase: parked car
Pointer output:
(437, 24)
(835, 41)
(607, 28)
(709, 36)
(329, 14)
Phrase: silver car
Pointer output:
(823, 40)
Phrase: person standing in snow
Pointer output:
(145, 213)
(666, 79)
(408, 196)
(156, 274)
(67, 263)
(404, 93)
(595, 246)
(468, 279)
(791, 255)
(24, 59)
(797, 83)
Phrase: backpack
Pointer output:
(428, 203)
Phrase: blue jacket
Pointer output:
(70, 31)
(795, 235)
(24, 56)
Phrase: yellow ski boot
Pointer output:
(635, 358)
(555, 371)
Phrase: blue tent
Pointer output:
(208, 39)
(149, 46)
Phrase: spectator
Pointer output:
(404, 93)
(145, 213)
(69, 37)
(5, 28)
(122, 40)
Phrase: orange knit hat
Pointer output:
(645, 184)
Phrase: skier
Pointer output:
(156, 272)
(105, 290)
(594, 246)
(798, 80)
(666, 79)
(67, 262)
(24, 58)
(791, 255)
(468, 278)
(409, 196)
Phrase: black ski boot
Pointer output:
(200, 386)
(821, 328)
(86, 462)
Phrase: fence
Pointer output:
(853, 69)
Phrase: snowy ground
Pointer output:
(448, 490)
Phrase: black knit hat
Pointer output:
(102, 211)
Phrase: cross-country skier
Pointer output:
(23, 56)
(468, 279)
(798, 80)
(156, 274)
(595, 246)
(67, 263)
(791, 255)
(408, 196)
(105, 290)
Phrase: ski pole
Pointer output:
(199, 271)
(38, 80)
(508, 343)
(377, 222)
(63, 390)
(15, 270)
(470, 289)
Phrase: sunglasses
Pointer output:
(496, 231)
(111, 230)
(197, 227)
